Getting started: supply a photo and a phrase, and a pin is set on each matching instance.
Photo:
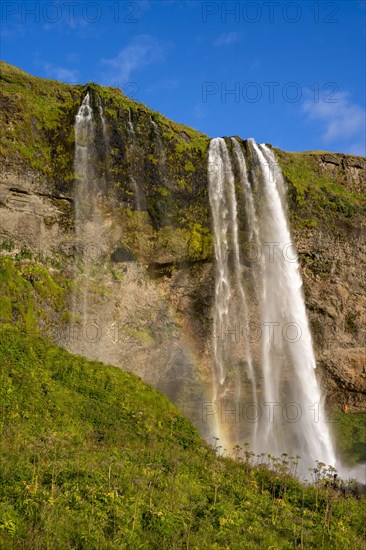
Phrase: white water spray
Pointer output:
(284, 387)
(233, 364)
(89, 220)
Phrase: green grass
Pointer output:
(91, 457)
(34, 114)
(350, 436)
(29, 296)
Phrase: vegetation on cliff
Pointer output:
(151, 164)
(319, 199)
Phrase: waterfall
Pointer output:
(102, 120)
(89, 220)
(84, 178)
(160, 150)
(284, 390)
(233, 372)
(136, 190)
(130, 126)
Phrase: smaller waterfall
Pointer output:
(84, 177)
(106, 145)
(89, 220)
(84, 137)
(130, 126)
(132, 150)
(102, 120)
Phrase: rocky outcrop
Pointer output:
(349, 170)
(333, 275)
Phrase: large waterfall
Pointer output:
(264, 388)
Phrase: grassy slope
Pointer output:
(91, 457)
(34, 300)
(94, 458)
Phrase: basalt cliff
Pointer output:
(149, 246)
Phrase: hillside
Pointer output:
(91, 457)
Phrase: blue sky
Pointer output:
(287, 73)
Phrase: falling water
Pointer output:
(288, 360)
(284, 389)
(160, 150)
(84, 179)
(90, 226)
(229, 376)
(130, 126)
(102, 120)
(136, 189)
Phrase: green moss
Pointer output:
(188, 167)
(7, 245)
(191, 241)
(6, 310)
(116, 274)
(27, 290)
(316, 198)
(164, 192)
(39, 109)
(350, 436)
(200, 242)
(139, 334)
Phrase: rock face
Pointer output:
(350, 170)
(335, 297)
(150, 282)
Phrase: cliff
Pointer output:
(151, 254)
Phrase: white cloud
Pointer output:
(342, 120)
(226, 39)
(61, 73)
(143, 50)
